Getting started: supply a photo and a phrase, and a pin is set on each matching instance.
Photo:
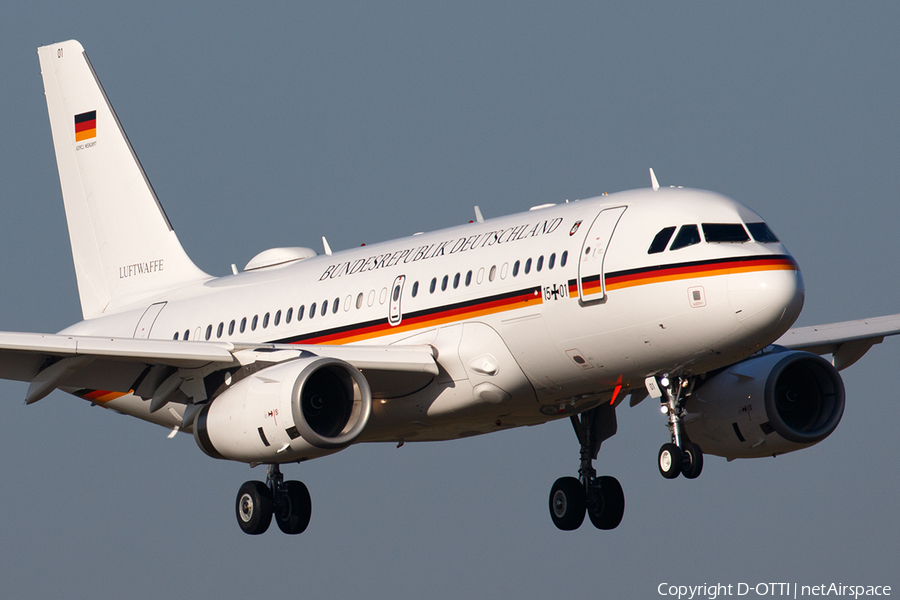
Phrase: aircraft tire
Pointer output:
(295, 515)
(611, 507)
(691, 460)
(567, 503)
(669, 461)
(253, 507)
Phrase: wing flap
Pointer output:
(169, 352)
(406, 359)
(124, 365)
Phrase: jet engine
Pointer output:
(766, 405)
(294, 410)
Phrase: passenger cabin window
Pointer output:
(661, 240)
(300, 312)
(687, 236)
(468, 278)
(334, 307)
(176, 336)
(312, 310)
(219, 330)
(277, 318)
(231, 328)
(289, 315)
(725, 232)
(761, 233)
(415, 290)
(515, 268)
(433, 284)
(564, 258)
(444, 283)
(265, 320)
(254, 322)
(208, 331)
(243, 325)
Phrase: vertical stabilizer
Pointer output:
(124, 248)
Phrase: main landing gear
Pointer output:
(600, 497)
(287, 501)
(680, 456)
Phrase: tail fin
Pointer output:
(124, 247)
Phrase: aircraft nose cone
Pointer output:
(767, 302)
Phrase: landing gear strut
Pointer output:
(600, 497)
(680, 456)
(287, 501)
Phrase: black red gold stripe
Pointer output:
(100, 396)
(422, 319)
(618, 280)
(85, 126)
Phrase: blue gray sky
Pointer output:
(272, 126)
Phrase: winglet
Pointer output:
(653, 181)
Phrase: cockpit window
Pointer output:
(661, 240)
(688, 235)
(725, 232)
(761, 233)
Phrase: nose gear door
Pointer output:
(591, 286)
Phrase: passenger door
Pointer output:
(142, 331)
(396, 315)
(591, 286)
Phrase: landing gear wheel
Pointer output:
(254, 507)
(669, 461)
(295, 508)
(567, 503)
(692, 460)
(610, 504)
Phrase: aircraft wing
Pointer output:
(847, 341)
(50, 361)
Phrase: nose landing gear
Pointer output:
(680, 456)
(287, 501)
(600, 497)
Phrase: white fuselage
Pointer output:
(533, 316)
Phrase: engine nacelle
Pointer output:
(766, 405)
(298, 409)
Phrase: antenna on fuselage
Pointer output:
(478, 216)
(326, 246)
(653, 181)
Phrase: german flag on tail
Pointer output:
(85, 126)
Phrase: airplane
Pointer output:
(570, 310)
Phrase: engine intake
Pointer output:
(328, 403)
(298, 409)
(766, 405)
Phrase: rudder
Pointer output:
(123, 245)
